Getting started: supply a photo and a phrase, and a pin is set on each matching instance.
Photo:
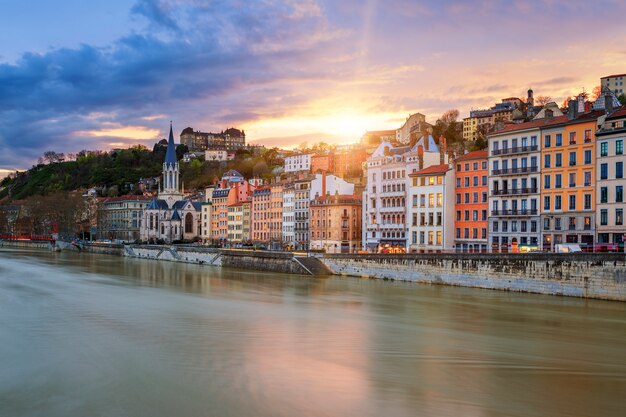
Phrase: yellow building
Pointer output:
(568, 179)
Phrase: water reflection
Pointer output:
(101, 335)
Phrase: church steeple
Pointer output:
(170, 155)
(171, 175)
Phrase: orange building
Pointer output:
(568, 178)
(322, 163)
(267, 216)
(259, 227)
(335, 223)
(228, 192)
(348, 164)
(471, 187)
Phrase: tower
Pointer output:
(170, 192)
(530, 104)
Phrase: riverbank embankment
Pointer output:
(586, 275)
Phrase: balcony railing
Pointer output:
(515, 191)
(514, 150)
(511, 171)
(514, 212)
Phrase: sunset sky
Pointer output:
(95, 75)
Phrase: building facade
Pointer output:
(384, 199)
(611, 182)
(568, 179)
(514, 186)
(335, 223)
(298, 162)
(231, 139)
(615, 83)
(471, 223)
(289, 217)
(431, 209)
(120, 218)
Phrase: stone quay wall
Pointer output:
(253, 260)
(30, 244)
(601, 276)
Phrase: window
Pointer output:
(557, 223)
(619, 169)
(495, 226)
(558, 140)
(572, 223)
(619, 147)
(546, 181)
(558, 161)
(572, 138)
(587, 201)
(484, 165)
(572, 202)
(557, 202)
(572, 179)
(588, 136)
(604, 217)
(546, 224)
(572, 158)
(604, 195)
(458, 182)
(475, 166)
(546, 161)
(587, 157)
(604, 171)
(557, 180)
(619, 194)
(547, 141)
(484, 180)
(619, 217)
(604, 148)
(475, 181)
(546, 203)
(467, 181)
(587, 178)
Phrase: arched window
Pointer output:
(189, 223)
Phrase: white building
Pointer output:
(219, 155)
(205, 234)
(384, 199)
(514, 187)
(329, 184)
(611, 181)
(302, 199)
(431, 209)
(289, 217)
(298, 162)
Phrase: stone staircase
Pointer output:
(313, 265)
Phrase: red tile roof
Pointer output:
(473, 155)
(433, 169)
(531, 125)
(126, 198)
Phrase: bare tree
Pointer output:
(596, 92)
(542, 100)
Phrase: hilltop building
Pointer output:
(231, 139)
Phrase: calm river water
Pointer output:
(88, 335)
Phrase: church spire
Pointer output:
(170, 155)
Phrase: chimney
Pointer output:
(442, 150)
(323, 185)
(426, 142)
(571, 110)
(581, 103)
(420, 157)
(608, 103)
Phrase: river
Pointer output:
(97, 335)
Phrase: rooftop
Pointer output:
(433, 169)
(473, 155)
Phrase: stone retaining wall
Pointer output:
(600, 276)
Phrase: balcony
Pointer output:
(513, 171)
(515, 150)
(515, 191)
(513, 212)
(392, 226)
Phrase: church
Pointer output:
(170, 217)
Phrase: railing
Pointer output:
(510, 171)
(514, 150)
(515, 191)
(514, 212)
